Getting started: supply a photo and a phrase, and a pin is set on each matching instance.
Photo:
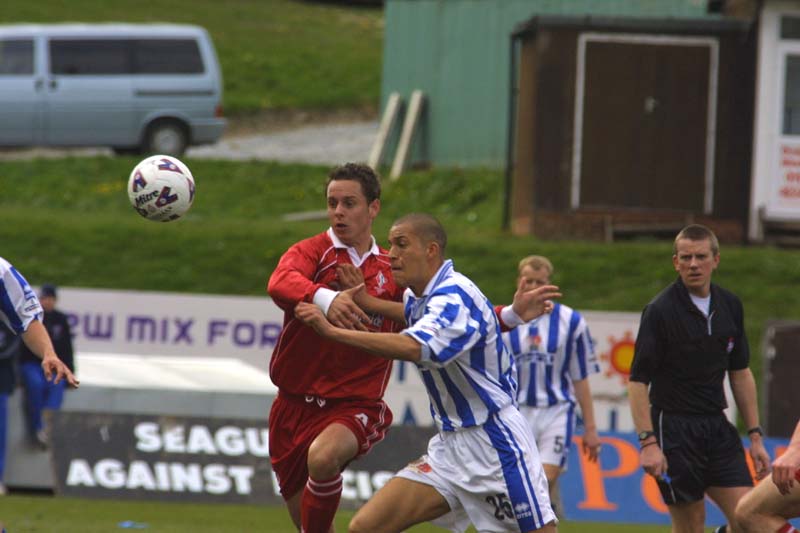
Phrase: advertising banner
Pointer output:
(179, 458)
(784, 200)
(247, 327)
(616, 489)
(170, 458)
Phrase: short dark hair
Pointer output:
(427, 227)
(363, 174)
(48, 290)
(697, 232)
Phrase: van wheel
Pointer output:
(167, 137)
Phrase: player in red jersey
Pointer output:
(776, 498)
(329, 408)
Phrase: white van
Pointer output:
(137, 88)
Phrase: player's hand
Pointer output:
(311, 315)
(653, 461)
(760, 457)
(55, 370)
(345, 313)
(529, 304)
(591, 444)
(349, 276)
(785, 468)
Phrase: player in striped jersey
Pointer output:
(767, 507)
(21, 311)
(554, 356)
(482, 466)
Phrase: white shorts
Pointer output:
(490, 476)
(552, 428)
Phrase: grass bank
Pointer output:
(69, 222)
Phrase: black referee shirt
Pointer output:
(683, 355)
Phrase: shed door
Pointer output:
(646, 129)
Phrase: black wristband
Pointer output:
(643, 446)
(756, 429)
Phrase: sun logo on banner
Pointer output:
(620, 356)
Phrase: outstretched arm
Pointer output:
(386, 345)
(527, 305)
(38, 341)
(352, 280)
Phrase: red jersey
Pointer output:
(303, 362)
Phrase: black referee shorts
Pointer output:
(702, 451)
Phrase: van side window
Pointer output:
(74, 57)
(167, 56)
(16, 56)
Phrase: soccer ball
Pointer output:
(161, 188)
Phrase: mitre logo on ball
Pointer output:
(161, 188)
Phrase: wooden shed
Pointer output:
(630, 126)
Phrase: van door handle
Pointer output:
(38, 84)
(53, 84)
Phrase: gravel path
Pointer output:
(327, 144)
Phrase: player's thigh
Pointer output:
(727, 498)
(551, 472)
(399, 504)
(766, 500)
(688, 517)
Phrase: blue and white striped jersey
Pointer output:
(18, 303)
(466, 369)
(551, 352)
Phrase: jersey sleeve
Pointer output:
(584, 361)
(647, 350)
(19, 305)
(291, 282)
(445, 330)
(740, 355)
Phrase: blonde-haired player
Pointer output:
(555, 356)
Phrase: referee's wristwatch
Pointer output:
(756, 429)
(644, 435)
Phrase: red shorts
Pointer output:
(295, 421)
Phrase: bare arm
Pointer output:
(394, 311)
(785, 466)
(386, 345)
(744, 392)
(653, 460)
(38, 341)
(352, 281)
(591, 440)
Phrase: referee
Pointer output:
(690, 335)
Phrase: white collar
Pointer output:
(354, 257)
(443, 271)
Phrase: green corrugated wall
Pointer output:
(457, 53)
